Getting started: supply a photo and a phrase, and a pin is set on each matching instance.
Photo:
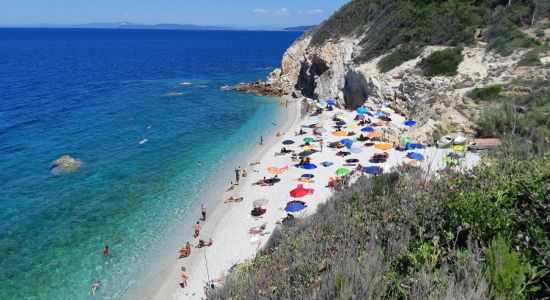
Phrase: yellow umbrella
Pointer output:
(383, 146)
(340, 116)
(387, 110)
(339, 133)
(459, 148)
(353, 126)
(307, 148)
(373, 134)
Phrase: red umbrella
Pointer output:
(300, 191)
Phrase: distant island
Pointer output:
(300, 28)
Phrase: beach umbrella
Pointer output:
(346, 141)
(339, 133)
(410, 123)
(404, 140)
(307, 148)
(380, 123)
(387, 110)
(352, 126)
(383, 146)
(321, 104)
(309, 166)
(319, 130)
(340, 116)
(307, 175)
(342, 171)
(352, 160)
(355, 150)
(308, 140)
(415, 156)
(260, 202)
(331, 103)
(417, 146)
(327, 164)
(373, 134)
(361, 117)
(373, 170)
(288, 142)
(367, 129)
(300, 191)
(379, 114)
(275, 171)
(295, 206)
(361, 110)
(369, 114)
(340, 123)
(305, 153)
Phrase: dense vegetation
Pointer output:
(397, 58)
(480, 235)
(488, 93)
(413, 24)
(523, 118)
(442, 63)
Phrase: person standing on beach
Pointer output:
(197, 228)
(203, 210)
(261, 139)
(237, 174)
(321, 143)
(184, 277)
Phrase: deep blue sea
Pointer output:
(94, 95)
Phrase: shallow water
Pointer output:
(95, 95)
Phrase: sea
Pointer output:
(139, 109)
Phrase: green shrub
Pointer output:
(397, 58)
(491, 92)
(531, 57)
(504, 270)
(442, 63)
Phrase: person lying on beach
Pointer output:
(343, 153)
(244, 173)
(203, 243)
(254, 163)
(257, 229)
(300, 132)
(260, 182)
(197, 228)
(351, 133)
(184, 277)
(231, 187)
(185, 250)
(234, 199)
(96, 286)
(279, 134)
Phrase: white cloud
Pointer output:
(316, 11)
(260, 11)
(276, 12)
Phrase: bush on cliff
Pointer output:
(398, 236)
(488, 93)
(397, 58)
(442, 63)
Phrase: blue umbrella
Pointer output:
(307, 176)
(379, 114)
(369, 114)
(331, 103)
(346, 141)
(361, 110)
(326, 164)
(367, 129)
(355, 150)
(410, 123)
(373, 170)
(294, 206)
(417, 146)
(415, 155)
(309, 166)
(288, 142)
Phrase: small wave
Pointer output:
(174, 94)
(263, 68)
(185, 83)
(143, 141)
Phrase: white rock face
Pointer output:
(439, 104)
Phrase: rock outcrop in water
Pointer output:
(65, 164)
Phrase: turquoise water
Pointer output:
(94, 95)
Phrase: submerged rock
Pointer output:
(65, 164)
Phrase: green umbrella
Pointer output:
(404, 140)
(342, 171)
(308, 140)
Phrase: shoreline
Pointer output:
(159, 283)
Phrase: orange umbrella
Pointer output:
(373, 134)
(339, 133)
(380, 123)
(276, 171)
(383, 146)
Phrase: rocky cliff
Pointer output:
(336, 69)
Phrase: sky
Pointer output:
(243, 13)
